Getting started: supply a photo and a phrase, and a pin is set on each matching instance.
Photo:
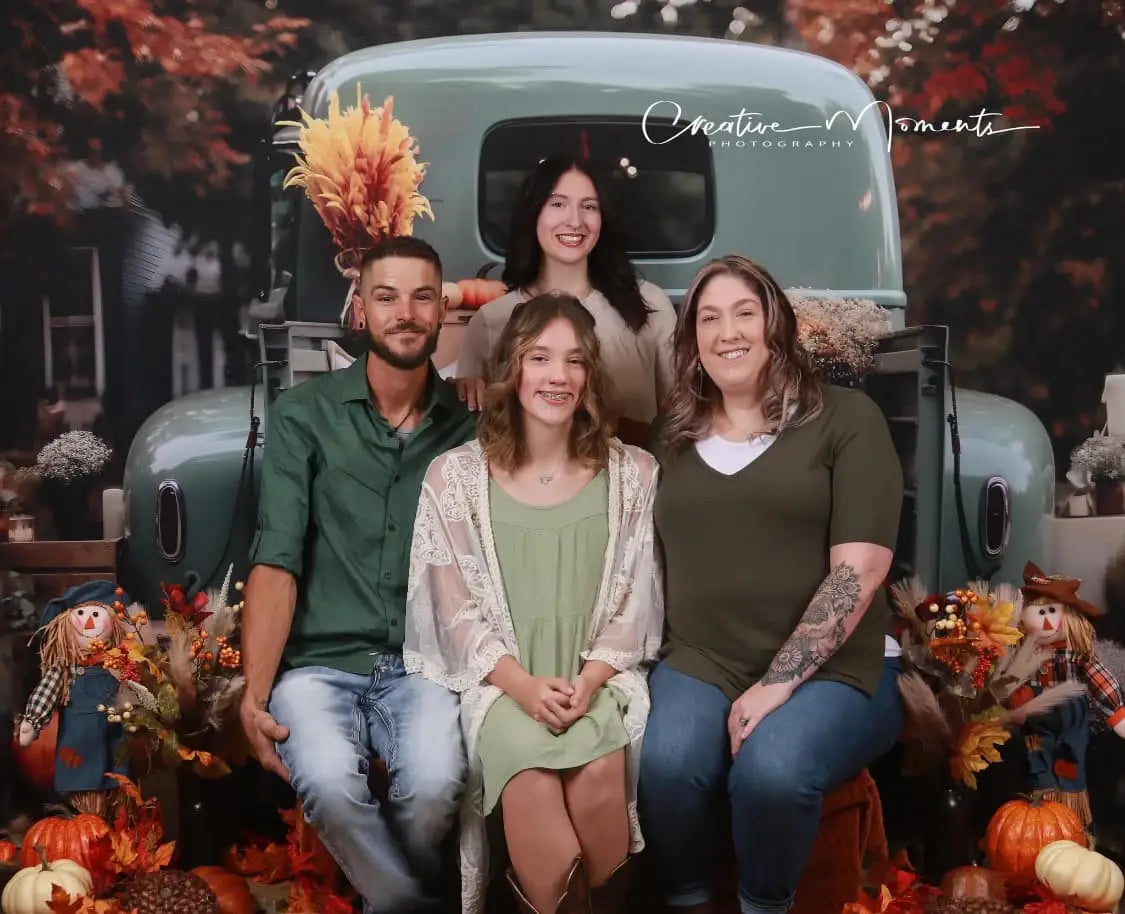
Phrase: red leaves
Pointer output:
(137, 829)
(119, 57)
(902, 892)
(267, 863)
(194, 611)
(93, 75)
(61, 903)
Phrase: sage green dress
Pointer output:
(551, 561)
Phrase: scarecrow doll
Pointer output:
(78, 628)
(1058, 620)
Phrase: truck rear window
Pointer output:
(664, 192)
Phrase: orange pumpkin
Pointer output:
(477, 292)
(37, 761)
(230, 889)
(974, 882)
(70, 837)
(8, 851)
(1021, 828)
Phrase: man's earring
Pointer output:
(361, 324)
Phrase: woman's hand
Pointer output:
(470, 391)
(546, 699)
(751, 708)
(579, 705)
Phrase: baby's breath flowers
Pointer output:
(1100, 458)
(840, 333)
(73, 457)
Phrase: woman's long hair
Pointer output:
(609, 269)
(788, 380)
(500, 427)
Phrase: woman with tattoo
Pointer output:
(777, 513)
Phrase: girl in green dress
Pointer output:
(534, 594)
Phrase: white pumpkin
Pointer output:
(1080, 876)
(29, 890)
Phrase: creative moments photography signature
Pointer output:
(756, 125)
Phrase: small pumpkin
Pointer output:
(974, 882)
(230, 889)
(30, 888)
(8, 851)
(37, 761)
(1077, 875)
(69, 837)
(479, 291)
(1021, 828)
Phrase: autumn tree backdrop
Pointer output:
(110, 107)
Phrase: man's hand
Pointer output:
(546, 699)
(751, 708)
(263, 731)
(25, 734)
(470, 391)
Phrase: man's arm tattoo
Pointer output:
(822, 628)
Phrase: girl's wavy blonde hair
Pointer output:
(792, 393)
(500, 427)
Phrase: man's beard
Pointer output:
(381, 350)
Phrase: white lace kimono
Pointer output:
(458, 623)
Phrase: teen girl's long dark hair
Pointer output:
(608, 266)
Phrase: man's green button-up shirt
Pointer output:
(339, 494)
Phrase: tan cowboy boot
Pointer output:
(575, 897)
(609, 897)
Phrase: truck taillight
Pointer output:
(170, 522)
(995, 516)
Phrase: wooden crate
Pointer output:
(55, 565)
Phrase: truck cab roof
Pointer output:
(712, 147)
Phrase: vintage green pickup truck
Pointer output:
(716, 147)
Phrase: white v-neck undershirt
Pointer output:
(729, 457)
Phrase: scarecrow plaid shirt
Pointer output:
(1102, 688)
(45, 697)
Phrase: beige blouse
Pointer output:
(638, 364)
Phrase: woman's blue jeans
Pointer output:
(823, 736)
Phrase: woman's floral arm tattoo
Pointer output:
(822, 629)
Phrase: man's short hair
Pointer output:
(401, 246)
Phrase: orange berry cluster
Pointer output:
(115, 659)
(229, 657)
(141, 618)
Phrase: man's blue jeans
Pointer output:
(824, 735)
(336, 721)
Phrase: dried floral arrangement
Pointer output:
(18, 486)
(73, 458)
(839, 333)
(176, 696)
(964, 658)
(1100, 458)
(360, 170)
